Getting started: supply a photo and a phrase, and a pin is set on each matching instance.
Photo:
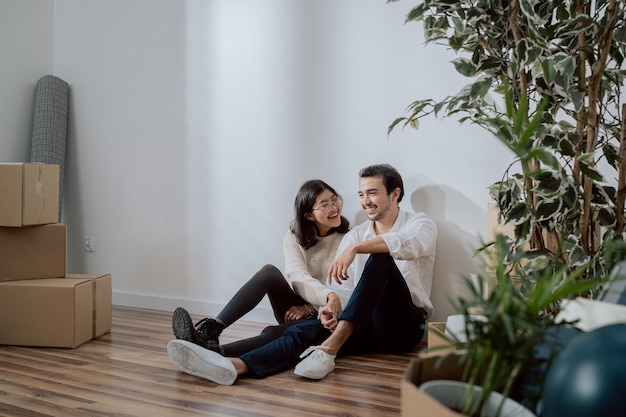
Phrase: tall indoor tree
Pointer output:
(547, 79)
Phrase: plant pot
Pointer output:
(452, 394)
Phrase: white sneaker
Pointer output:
(317, 363)
(198, 361)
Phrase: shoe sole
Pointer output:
(181, 324)
(308, 375)
(195, 360)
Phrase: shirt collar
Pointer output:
(397, 225)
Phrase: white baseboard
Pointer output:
(258, 314)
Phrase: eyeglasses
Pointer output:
(328, 206)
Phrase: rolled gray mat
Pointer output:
(50, 119)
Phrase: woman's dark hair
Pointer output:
(304, 229)
(391, 177)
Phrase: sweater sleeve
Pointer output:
(306, 269)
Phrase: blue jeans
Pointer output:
(380, 308)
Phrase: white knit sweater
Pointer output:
(307, 270)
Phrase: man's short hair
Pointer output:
(391, 177)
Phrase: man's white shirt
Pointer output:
(412, 244)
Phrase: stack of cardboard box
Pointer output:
(40, 303)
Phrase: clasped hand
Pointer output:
(328, 319)
(329, 314)
(296, 313)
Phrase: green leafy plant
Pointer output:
(501, 350)
(546, 80)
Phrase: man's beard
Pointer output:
(382, 213)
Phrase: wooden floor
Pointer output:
(128, 373)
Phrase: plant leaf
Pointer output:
(465, 67)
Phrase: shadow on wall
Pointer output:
(456, 247)
(73, 209)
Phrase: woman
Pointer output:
(309, 247)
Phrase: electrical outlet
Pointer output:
(90, 244)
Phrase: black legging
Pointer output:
(267, 281)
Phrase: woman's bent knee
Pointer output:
(269, 275)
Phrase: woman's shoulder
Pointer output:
(289, 237)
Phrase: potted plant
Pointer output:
(508, 351)
(454, 394)
(511, 350)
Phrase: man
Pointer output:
(380, 281)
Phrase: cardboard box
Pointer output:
(438, 341)
(428, 367)
(102, 304)
(33, 252)
(29, 194)
(54, 312)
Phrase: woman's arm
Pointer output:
(304, 269)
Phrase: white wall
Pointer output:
(193, 124)
(26, 49)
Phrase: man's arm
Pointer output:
(417, 237)
(339, 268)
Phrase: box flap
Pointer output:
(41, 194)
(102, 301)
(427, 367)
